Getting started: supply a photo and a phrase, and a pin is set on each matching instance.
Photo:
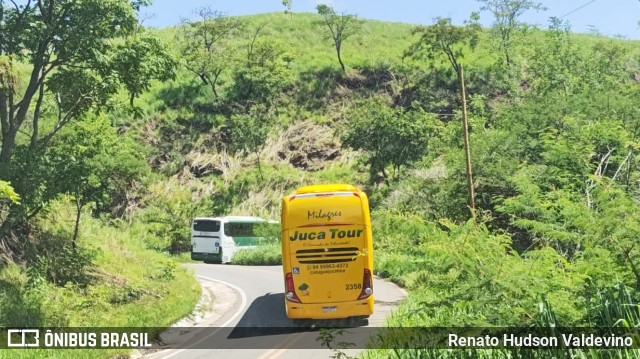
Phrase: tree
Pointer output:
(265, 74)
(556, 62)
(390, 136)
(249, 131)
(204, 45)
(66, 39)
(170, 209)
(141, 59)
(340, 26)
(506, 14)
(90, 162)
(445, 38)
(287, 6)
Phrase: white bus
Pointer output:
(217, 239)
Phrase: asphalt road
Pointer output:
(247, 314)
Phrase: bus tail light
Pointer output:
(291, 290)
(367, 285)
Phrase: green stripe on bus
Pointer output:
(245, 241)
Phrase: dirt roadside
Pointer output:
(215, 301)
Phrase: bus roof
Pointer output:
(325, 188)
(237, 218)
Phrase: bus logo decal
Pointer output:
(322, 214)
(296, 270)
(304, 289)
(335, 234)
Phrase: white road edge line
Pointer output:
(243, 297)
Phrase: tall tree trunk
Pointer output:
(216, 74)
(507, 59)
(36, 117)
(8, 142)
(12, 124)
(344, 70)
(259, 166)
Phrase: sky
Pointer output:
(607, 17)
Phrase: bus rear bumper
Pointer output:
(207, 257)
(361, 308)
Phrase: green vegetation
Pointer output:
(388, 136)
(97, 190)
(62, 67)
(268, 250)
(266, 254)
(108, 278)
(7, 193)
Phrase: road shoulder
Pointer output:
(216, 302)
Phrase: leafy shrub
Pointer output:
(166, 271)
(268, 233)
(20, 304)
(265, 74)
(462, 275)
(613, 307)
(7, 193)
(172, 207)
(270, 254)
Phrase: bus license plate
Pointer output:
(329, 309)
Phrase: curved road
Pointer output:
(248, 298)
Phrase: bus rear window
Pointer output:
(206, 225)
(238, 229)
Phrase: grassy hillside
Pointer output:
(320, 96)
(378, 43)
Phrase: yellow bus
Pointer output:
(327, 253)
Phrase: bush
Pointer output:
(172, 207)
(60, 260)
(20, 300)
(269, 254)
(462, 275)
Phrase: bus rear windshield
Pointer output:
(203, 225)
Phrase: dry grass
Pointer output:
(305, 144)
(437, 171)
(305, 147)
(261, 203)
